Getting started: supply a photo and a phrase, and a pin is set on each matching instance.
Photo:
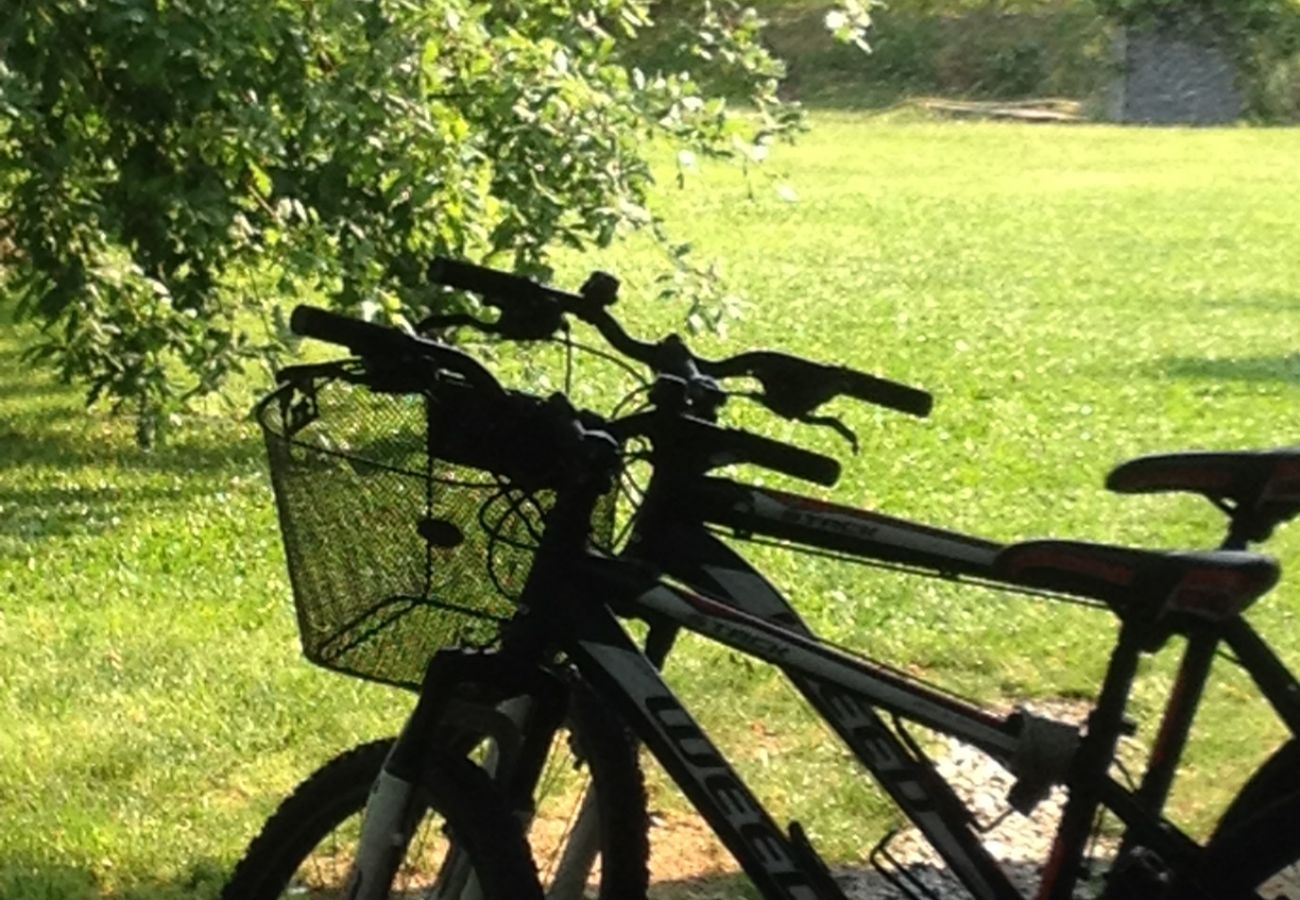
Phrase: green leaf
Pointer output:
(261, 180)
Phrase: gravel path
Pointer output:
(1020, 843)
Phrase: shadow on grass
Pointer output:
(858, 884)
(1285, 369)
(34, 514)
(84, 489)
(45, 881)
(49, 426)
(66, 471)
(14, 389)
(195, 450)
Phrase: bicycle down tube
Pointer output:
(698, 558)
(845, 690)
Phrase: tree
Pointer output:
(179, 171)
(1235, 17)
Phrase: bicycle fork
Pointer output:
(393, 812)
(468, 700)
(386, 829)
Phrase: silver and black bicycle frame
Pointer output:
(677, 574)
(742, 610)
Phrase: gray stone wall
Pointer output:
(1171, 78)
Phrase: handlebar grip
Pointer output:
(788, 459)
(883, 392)
(362, 338)
(380, 342)
(492, 284)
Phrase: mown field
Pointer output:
(1073, 297)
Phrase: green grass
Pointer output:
(1073, 297)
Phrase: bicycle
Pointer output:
(327, 486)
(1043, 746)
(1258, 491)
(604, 749)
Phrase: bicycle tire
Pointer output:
(603, 745)
(1278, 776)
(1260, 855)
(462, 793)
(337, 793)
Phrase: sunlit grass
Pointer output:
(1073, 297)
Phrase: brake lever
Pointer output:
(438, 322)
(834, 423)
(522, 323)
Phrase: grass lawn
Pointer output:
(1073, 297)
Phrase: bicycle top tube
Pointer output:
(1184, 589)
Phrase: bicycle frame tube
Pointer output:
(846, 690)
(692, 554)
(1269, 673)
(821, 525)
(1176, 723)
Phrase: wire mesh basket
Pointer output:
(392, 553)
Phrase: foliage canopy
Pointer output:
(174, 172)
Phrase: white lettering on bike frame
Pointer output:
(859, 727)
(880, 529)
(638, 680)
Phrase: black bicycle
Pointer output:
(407, 487)
(1257, 490)
(1157, 596)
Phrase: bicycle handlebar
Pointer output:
(711, 446)
(800, 385)
(494, 283)
(373, 341)
(793, 387)
(777, 456)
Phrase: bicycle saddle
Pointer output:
(1214, 585)
(1260, 485)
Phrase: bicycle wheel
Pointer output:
(1260, 855)
(591, 783)
(306, 849)
(309, 839)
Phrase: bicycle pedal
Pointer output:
(1139, 875)
(813, 866)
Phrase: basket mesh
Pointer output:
(356, 493)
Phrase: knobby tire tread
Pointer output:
(339, 788)
(458, 789)
(611, 757)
